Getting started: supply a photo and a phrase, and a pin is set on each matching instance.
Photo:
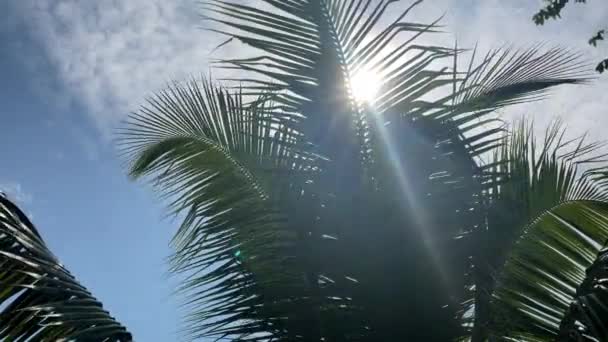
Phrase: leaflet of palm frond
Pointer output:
(39, 298)
(587, 317)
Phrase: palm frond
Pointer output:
(549, 221)
(508, 76)
(39, 299)
(226, 169)
(536, 177)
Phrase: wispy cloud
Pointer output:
(111, 54)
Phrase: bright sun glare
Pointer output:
(365, 86)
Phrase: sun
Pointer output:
(365, 86)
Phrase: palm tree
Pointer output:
(39, 299)
(311, 213)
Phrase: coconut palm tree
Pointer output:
(39, 299)
(353, 184)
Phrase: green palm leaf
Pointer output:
(546, 268)
(550, 222)
(39, 299)
(227, 169)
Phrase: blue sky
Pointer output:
(105, 229)
(72, 69)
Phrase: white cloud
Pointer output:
(111, 54)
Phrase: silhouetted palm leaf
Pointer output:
(39, 299)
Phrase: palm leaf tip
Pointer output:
(507, 76)
(39, 298)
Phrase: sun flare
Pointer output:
(365, 86)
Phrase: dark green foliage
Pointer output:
(39, 299)
(553, 10)
(603, 65)
(598, 36)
